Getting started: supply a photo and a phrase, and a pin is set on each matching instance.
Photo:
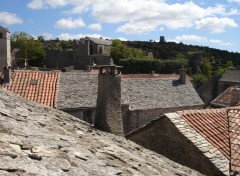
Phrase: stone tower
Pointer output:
(5, 48)
(108, 112)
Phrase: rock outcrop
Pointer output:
(38, 140)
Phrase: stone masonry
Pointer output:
(108, 112)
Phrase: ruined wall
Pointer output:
(58, 59)
(108, 112)
(138, 118)
(164, 138)
(5, 50)
(101, 60)
(208, 91)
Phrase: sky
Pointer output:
(212, 23)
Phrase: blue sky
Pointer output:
(212, 23)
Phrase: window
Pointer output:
(1, 35)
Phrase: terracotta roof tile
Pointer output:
(38, 86)
(220, 127)
(234, 133)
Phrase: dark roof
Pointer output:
(78, 90)
(100, 41)
(38, 86)
(231, 97)
(3, 29)
(39, 140)
(231, 76)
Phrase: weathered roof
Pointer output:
(39, 140)
(78, 90)
(160, 93)
(100, 41)
(231, 76)
(38, 86)
(3, 28)
(231, 97)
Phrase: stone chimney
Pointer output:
(7, 74)
(183, 74)
(108, 112)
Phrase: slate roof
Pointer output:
(230, 97)
(39, 140)
(231, 76)
(80, 90)
(3, 28)
(38, 86)
(216, 132)
(100, 41)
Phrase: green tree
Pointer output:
(137, 53)
(207, 67)
(120, 51)
(29, 48)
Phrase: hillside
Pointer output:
(169, 50)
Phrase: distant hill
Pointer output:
(169, 50)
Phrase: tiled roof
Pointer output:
(234, 133)
(231, 97)
(192, 133)
(231, 76)
(144, 93)
(38, 86)
(212, 124)
(216, 132)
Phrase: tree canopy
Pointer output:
(29, 48)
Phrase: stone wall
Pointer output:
(138, 118)
(87, 115)
(108, 112)
(58, 59)
(164, 138)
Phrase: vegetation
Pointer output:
(29, 48)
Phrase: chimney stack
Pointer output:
(108, 112)
(7, 74)
(182, 73)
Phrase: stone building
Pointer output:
(205, 140)
(5, 48)
(86, 52)
(143, 97)
(230, 78)
(39, 140)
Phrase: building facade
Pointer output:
(5, 48)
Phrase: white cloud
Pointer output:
(145, 15)
(238, 1)
(69, 23)
(201, 40)
(95, 27)
(67, 36)
(10, 18)
(216, 25)
(192, 38)
(35, 4)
